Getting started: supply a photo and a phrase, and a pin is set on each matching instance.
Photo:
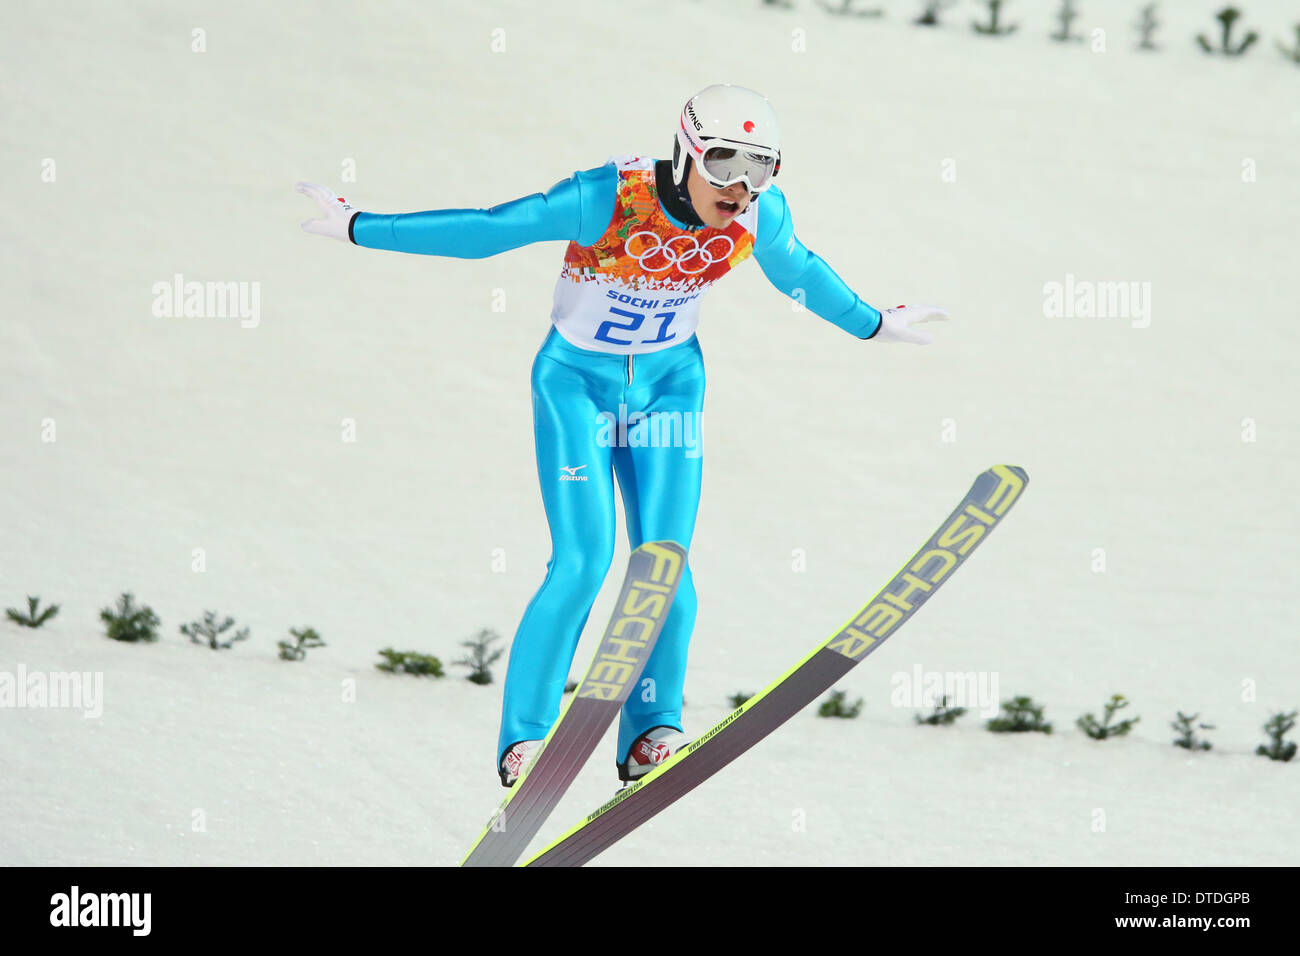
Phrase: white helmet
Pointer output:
(732, 135)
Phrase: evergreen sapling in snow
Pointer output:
(834, 706)
(33, 617)
(304, 638)
(1292, 54)
(1066, 16)
(1020, 715)
(480, 659)
(993, 28)
(1147, 27)
(1100, 731)
(738, 699)
(1186, 727)
(1227, 17)
(942, 714)
(409, 662)
(210, 631)
(130, 623)
(930, 15)
(1276, 728)
(845, 9)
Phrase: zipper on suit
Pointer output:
(629, 369)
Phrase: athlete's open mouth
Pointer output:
(727, 206)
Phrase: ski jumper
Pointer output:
(619, 369)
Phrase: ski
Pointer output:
(653, 573)
(987, 502)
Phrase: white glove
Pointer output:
(337, 210)
(896, 324)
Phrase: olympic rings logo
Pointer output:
(677, 256)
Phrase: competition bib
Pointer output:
(638, 287)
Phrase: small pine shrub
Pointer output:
(1227, 17)
(942, 714)
(409, 662)
(1291, 53)
(993, 27)
(1187, 727)
(570, 687)
(130, 623)
(1277, 728)
(846, 9)
(930, 14)
(1100, 731)
(1020, 715)
(1147, 27)
(210, 631)
(303, 640)
(833, 706)
(479, 659)
(33, 617)
(738, 699)
(1066, 17)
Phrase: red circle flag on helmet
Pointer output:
(731, 134)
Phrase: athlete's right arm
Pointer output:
(578, 208)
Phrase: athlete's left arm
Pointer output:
(801, 273)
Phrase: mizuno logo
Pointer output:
(571, 473)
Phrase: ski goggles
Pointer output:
(724, 162)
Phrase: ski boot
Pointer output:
(516, 759)
(648, 751)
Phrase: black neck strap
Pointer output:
(675, 198)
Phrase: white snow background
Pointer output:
(177, 433)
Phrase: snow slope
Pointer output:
(174, 434)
